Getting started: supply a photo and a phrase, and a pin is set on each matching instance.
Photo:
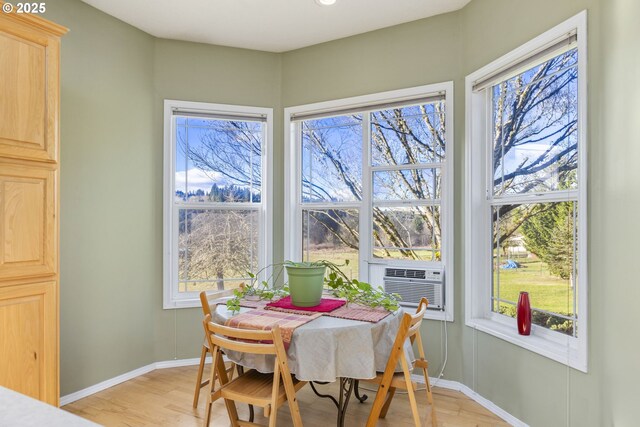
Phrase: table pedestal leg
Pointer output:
(356, 391)
(346, 389)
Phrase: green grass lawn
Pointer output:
(337, 257)
(546, 291)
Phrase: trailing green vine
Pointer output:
(338, 283)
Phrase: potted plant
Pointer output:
(337, 282)
(306, 281)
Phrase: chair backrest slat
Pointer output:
(243, 346)
(260, 342)
(416, 319)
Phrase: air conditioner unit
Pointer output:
(413, 284)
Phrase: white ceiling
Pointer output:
(269, 25)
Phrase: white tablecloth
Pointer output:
(328, 348)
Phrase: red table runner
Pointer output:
(347, 311)
(326, 305)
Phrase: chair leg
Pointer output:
(378, 403)
(272, 417)
(410, 392)
(196, 396)
(434, 419)
(387, 403)
(294, 409)
(207, 413)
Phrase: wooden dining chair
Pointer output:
(269, 391)
(389, 381)
(208, 302)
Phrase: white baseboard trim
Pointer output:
(486, 403)
(81, 394)
(451, 385)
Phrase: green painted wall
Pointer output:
(115, 77)
(615, 230)
(110, 241)
(200, 72)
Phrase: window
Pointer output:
(371, 183)
(526, 200)
(216, 222)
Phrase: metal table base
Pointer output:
(347, 386)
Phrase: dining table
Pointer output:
(329, 349)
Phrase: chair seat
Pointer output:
(255, 388)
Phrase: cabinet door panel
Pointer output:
(28, 95)
(28, 340)
(28, 234)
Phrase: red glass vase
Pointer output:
(524, 314)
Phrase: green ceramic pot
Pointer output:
(305, 284)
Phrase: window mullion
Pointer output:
(406, 203)
(549, 197)
(220, 205)
(409, 166)
(186, 159)
(365, 247)
(330, 205)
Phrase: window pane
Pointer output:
(217, 246)
(408, 184)
(332, 235)
(534, 251)
(407, 232)
(180, 183)
(332, 159)
(535, 124)
(408, 135)
(218, 160)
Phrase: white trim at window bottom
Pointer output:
(568, 350)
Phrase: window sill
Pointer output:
(182, 303)
(564, 350)
(441, 315)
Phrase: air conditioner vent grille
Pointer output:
(405, 273)
(413, 284)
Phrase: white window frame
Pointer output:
(293, 191)
(568, 350)
(171, 297)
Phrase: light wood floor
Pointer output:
(164, 397)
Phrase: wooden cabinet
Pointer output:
(29, 339)
(29, 224)
(27, 221)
